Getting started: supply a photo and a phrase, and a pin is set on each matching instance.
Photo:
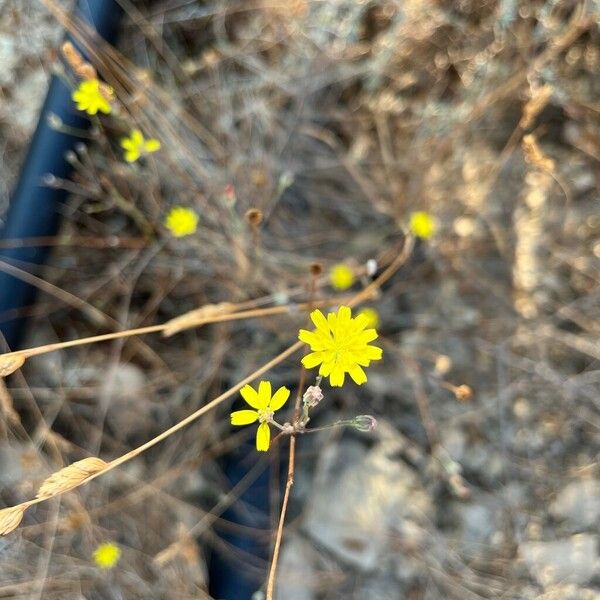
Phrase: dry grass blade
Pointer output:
(70, 476)
(9, 363)
(196, 317)
(10, 518)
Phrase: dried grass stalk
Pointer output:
(196, 317)
(9, 363)
(10, 518)
(6, 405)
(70, 476)
(534, 155)
(540, 96)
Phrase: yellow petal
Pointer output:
(373, 353)
(332, 322)
(357, 374)
(131, 155)
(279, 398)
(264, 394)
(336, 379)
(263, 437)
(137, 137)
(152, 145)
(310, 361)
(244, 417)
(104, 107)
(249, 394)
(318, 318)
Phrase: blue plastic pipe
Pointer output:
(34, 207)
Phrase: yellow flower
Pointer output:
(181, 221)
(341, 277)
(422, 224)
(340, 344)
(135, 145)
(372, 316)
(90, 97)
(264, 406)
(107, 555)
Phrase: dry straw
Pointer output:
(70, 476)
(9, 363)
(196, 317)
(10, 518)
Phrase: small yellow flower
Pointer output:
(264, 406)
(181, 221)
(422, 224)
(135, 145)
(107, 555)
(340, 344)
(341, 277)
(371, 315)
(90, 97)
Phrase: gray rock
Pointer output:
(578, 504)
(297, 577)
(573, 560)
(368, 497)
(478, 522)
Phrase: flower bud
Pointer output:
(364, 423)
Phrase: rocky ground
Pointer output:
(338, 119)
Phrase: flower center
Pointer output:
(265, 415)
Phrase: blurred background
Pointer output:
(336, 119)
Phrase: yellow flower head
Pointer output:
(135, 145)
(422, 224)
(107, 555)
(340, 344)
(264, 406)
(92, 97)
(371, 315)
(182, 221)
(341, 277)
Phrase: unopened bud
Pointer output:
(229, 196)
(312, 396)
(364, 423)
(371, 267)
(286, 179)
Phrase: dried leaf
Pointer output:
(10, 518)
(9, 363)
(196, 317)
(70, 477)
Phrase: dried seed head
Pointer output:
(70, 476)
(443, 364)
(463, 393)
(316, 269)
(254, 216)
(81, 67)
(10, 518)
(9, 363)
